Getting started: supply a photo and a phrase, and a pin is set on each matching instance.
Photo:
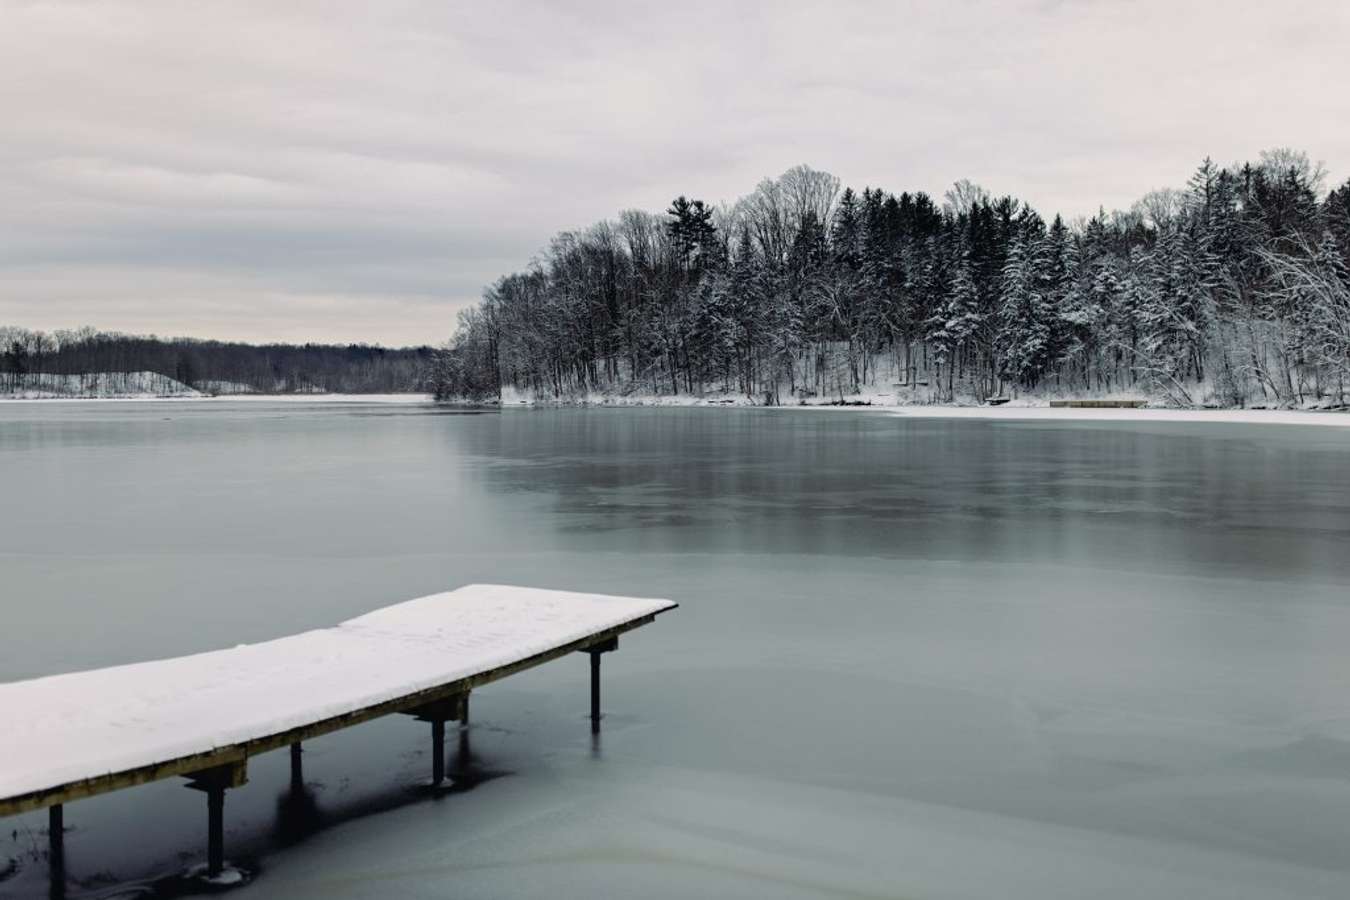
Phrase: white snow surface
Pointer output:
(65, 728)
(1137, 416)
(901, 403)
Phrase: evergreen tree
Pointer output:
(1211, 292)
(1026, 309)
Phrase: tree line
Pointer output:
(214, 366)
(1232, 290)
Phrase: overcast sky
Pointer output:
(356, 171)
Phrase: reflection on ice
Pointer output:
(914, 657)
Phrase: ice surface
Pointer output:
(915, 657)
(64, 728)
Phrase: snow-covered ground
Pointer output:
(93, 385)
(32, 397)
(1022, 408)
(1141, 416)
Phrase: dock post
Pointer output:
(608, 646)
(56, 849)
(297, 767)
(450, 708)
(213, 783)
(595, 692)
(215, 830)
(437, 752)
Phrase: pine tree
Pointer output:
(1025, 310)
(1214, 285)
(958, 318)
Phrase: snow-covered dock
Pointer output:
(202, 716)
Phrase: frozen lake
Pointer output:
(914, 658)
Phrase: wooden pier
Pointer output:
(202, 717)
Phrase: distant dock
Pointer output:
(202, 717)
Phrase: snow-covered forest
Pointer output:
(38, 362)
(1231, 290)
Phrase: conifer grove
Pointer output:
(1232, 290)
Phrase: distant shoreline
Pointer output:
(1007, 413)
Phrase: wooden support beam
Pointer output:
(230, 775)
(608, 645)
(443, 709)
(297, 767)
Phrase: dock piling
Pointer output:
(608, 646)
(437, 752)
(56, 849)
(213, 782)
(215, 830)
(595, 691)
(454, 707)
(297, 767)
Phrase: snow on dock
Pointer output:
(79, 734)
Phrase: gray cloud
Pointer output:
(349, 171)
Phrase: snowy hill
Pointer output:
(43, 385)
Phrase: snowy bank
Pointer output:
(93, 385)
(223, 398)
(1033, 409)
(1140, 416)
